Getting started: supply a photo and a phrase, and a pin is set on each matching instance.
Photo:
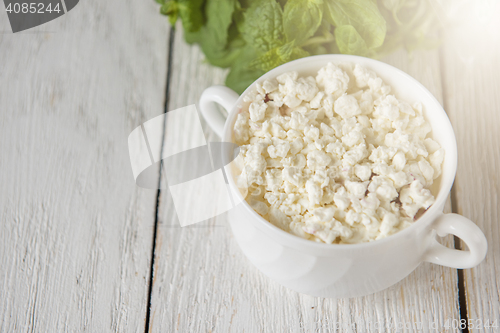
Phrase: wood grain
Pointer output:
(76, 232)
(203, 282)
(473, 104)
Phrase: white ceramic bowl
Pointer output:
(349, 270)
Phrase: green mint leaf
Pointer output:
(213, 37)
(170, 9)
(191, 14)
(224, 57)
(267, 61)
(278, 56)
(411, 24)
(219, 15)
(350, 41)
(282, 3)
(262, 26)
(241, 75)
(193, 37)
(301, 19)
(363, 15)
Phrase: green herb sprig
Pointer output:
(253, 36)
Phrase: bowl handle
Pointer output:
(220, 95)
(466, 230)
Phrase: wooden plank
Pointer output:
(471, 73)
(76, 232)
(203, 282)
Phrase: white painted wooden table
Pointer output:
(82, 249)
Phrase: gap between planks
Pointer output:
(171, 38)
(462, 302)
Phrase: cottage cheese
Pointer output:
(335, 158)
